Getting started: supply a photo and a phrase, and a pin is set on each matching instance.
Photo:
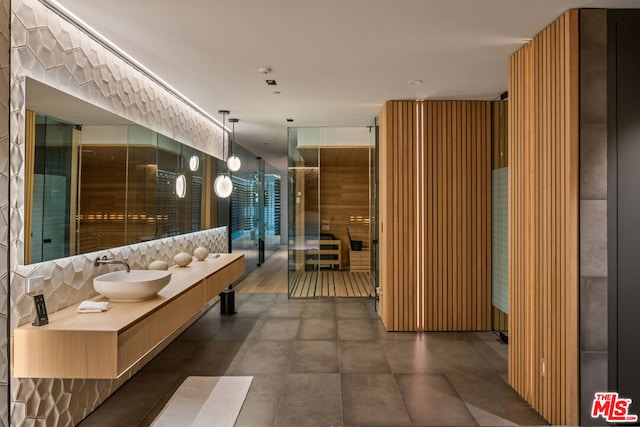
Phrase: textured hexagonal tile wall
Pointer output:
(5, 39)
(47, 48)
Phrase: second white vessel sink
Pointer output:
(137, 285)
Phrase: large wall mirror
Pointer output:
(94, 180)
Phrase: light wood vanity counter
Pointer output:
(105, 345)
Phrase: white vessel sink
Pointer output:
(137, 285)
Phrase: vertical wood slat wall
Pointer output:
(435, 213)
(543, 221)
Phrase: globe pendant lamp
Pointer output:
(223, 186)
(233, 162)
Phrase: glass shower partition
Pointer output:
(271, 209)
(255, 209)
(304, 208)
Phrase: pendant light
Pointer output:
(233, 162)
(223, 185)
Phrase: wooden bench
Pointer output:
(319, 256)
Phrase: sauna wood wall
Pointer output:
(344, 196)
(543, 221)
(337, 194)
(435, 215)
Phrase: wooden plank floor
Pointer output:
(271, 277)
(313, 284)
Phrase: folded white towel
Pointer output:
(93, 307)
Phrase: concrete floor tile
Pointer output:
(410, 357)
(212, 358)
(487, 350)
(315, 357)
(279, 330)
(356, 330)
(310, 400)
(318, 329)
(459, 355)
(264, 299)
(362, 357)
(266, 357)
(373, 400)
(252, 309)
(319, 309)
(431, 400)
(295, 349)
(286, 309)
(351, 310)
(383, 334)
(491, 394)
(261, 405)
(235, 328)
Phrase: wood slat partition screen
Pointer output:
(543, 221)
(435, 212)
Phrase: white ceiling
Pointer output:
(335, 61)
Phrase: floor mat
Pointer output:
(205, 401)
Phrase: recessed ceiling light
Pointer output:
(290, 120)
(266, 143)
(276, 92)
(271, 82)
(415, 82)
(265, 70)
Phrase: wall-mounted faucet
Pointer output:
(104, 260)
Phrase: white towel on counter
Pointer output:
(93, 307)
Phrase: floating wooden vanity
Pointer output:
(105, 345)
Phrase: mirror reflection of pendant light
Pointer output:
(181, 180)
(223, 185)
(194, 163)
(233, 162)
(181, 186)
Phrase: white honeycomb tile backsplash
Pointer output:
(48, 48)
(68, 281)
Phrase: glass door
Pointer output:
(304, 185)
(373, 209)
(259, 211)
(331, 192)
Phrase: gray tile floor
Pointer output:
(329, 362)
